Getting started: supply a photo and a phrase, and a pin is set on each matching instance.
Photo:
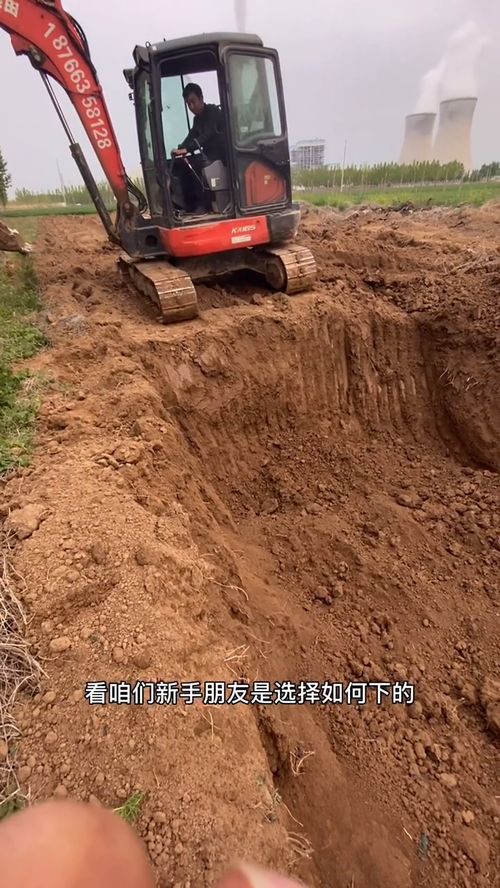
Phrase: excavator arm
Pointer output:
(57, 47)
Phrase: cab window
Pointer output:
(254, 98)
(173, 112)
(177, 119)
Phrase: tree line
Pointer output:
(76, 195)
(387, 174)
(5, 180)
(487, 171)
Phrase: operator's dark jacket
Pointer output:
(208, 130)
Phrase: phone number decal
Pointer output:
(93, 111)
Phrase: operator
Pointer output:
(206, 135)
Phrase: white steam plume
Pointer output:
(240, 11)
(428, 99)
(462, 53)
(455, 75)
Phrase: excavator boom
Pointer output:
(57, 47)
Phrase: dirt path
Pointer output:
(290, 490)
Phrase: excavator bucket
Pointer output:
(11, 241)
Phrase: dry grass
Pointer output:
(18, 671)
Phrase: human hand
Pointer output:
(68, 844)
(249, 876)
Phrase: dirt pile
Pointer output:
(293, 490)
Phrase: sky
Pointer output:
(351, 71)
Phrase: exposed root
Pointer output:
(238, 655)
(297, 759)
(210, 720)
(301, 847)
(229, 586)
(270, 812)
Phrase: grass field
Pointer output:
(13, 212)
(19, 339)
(473, 193)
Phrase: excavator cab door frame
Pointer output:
(258, 127)
(148, 147)
(157, 165)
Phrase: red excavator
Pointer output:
(246, 217)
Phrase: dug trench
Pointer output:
(291, 490)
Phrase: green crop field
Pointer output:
(13, 212)
(472, 193)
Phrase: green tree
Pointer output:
(5, 180)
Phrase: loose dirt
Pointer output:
(299, 489)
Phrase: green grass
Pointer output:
(131, 810)
(32, 212)
(471, 193)
(14, 804)
(474, 194)
(19, 339)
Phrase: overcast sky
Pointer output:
(351, 70)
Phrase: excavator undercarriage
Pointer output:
(290, 270)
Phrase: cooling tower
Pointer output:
(453, 137)
(417, 145)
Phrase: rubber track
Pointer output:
(299, 265)
(169, 287)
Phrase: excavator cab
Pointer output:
(251, 173)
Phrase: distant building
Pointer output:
(308, 154)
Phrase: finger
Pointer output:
(71, 845)
(250, 876)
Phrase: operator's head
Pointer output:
(193, 97)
